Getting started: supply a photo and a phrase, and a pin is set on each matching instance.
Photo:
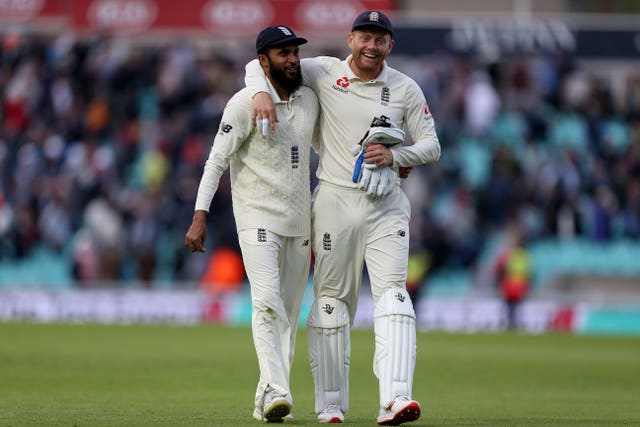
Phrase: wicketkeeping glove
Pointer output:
(387, 136)
(378, 182)
(375, 181)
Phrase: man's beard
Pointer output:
(289, 84)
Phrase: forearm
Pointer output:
(255, 79)
(422, 152)
(208, 186)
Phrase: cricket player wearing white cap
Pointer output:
(270, 188)
(360, 214)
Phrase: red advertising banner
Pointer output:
(220, 18)
(19, 11)
(223, 17)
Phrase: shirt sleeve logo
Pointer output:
(225, 128)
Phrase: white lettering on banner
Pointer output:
(488, 315)
(318, 15)
(190, 307)
(236, 16)
(108, 306)
(122, 14)
(497, 37)
(19, 10)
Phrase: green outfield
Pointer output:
(93, 375)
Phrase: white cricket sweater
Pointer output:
(270, 185)
(349, 104)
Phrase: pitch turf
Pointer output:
(94, 375)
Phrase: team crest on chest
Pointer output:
(295, 157)
(385, 95)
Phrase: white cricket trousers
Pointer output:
(278, 270)
(349, 228)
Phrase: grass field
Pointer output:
(96, 375)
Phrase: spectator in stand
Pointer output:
(83, 117)
(513, 273)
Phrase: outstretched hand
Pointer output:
(263, 113)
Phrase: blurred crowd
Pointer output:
(539, 147)
(102, 145)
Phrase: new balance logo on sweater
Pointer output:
(225, 128)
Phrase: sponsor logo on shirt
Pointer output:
(305, 242)
(328, 308)
(400, 297)
(262, 235)
(225, 128)
(401, 233)
(341, 85)
(295, 157)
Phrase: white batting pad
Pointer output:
(328, 327)
(395, 354)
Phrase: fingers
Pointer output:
(372, 188)
(378, 155)
(194, 244)
(263, 126)
(366, 177)
(266, 125)
(263, 113)
(404, 171)
(273, 119)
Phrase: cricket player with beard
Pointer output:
(270, 185)
(360, 214)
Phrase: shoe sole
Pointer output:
(277, 411)
(334, 420)
(409, 413)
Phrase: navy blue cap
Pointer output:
(372, 18)
(277, 36)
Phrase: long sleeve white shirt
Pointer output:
(269, 175)
(349, 104)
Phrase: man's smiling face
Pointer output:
(369, 48)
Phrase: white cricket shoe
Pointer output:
(276, 408)
(332, 414)
(401, 410)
